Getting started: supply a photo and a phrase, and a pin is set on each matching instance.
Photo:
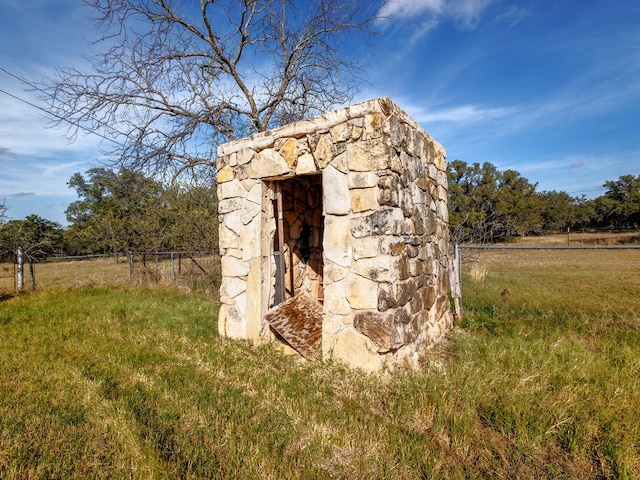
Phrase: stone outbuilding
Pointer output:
(334, 237)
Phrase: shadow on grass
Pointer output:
(6, 296)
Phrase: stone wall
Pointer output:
(384, 256)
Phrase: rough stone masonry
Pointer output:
(358, 199)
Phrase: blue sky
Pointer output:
(548, 88)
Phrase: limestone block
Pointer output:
(289, 151)
(234, 267)
(245, 155)
(231, 287)
(340, 133)
(404, 291)
(363, 179)
(395, 130)
(230, 205)
(367, 156)
(231, 189)
(268, 163)
(331, 325)
(340, 162)
(253, 300)
(324, 151)
(376, 268)
(440, 159)
(306, 165)
(337, 240)
(391, 246)
(363, 199)
(381, 222)
(232, 322)
(373, 126)
(389, 190)
(226, 174)
(354, 348)
(386, 297)
(362, 293)
(249, 239)
(365, 247)
(379, 328)
(335, 298)
(233, 221)
(333, 273)
(249, 213)
(254, 194)
(227, 237)
(336, 197)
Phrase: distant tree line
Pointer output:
(486, 204)
(119, 212)
(126, 211)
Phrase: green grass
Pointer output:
(116, 382)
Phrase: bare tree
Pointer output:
(173, 79)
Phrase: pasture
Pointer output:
(540, 379)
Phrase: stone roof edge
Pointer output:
(320, 123)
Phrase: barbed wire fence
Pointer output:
(197, 271)
(469, 259)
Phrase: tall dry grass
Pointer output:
(123, 382)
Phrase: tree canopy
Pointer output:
(36, 236)
(126, 211)
(171, 79)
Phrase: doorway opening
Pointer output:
(296, 313)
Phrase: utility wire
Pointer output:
(85, 129)
(35, 87)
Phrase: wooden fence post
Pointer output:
(131, 266)
(32, 275)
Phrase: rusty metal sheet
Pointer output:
(299, 322)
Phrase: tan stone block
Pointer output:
(376, 268)
(335, 192)
(363, 199)
(233, 267)
(249, 239)
(306, 165)
(254, 294)
(226, 174)
(366, 247)
(289, 152)
(245, 155)
(335, 301)
(268, 163)
(355, 349)
(233, 323)
(373, 126)
(231, 189)
(325, 151)
(367, 156)
(362, 293)
(340, 133)
(231, 287)
(363, 179)
(337, 240)
(227, 237)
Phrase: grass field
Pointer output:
(541, 379)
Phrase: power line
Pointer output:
(35, 87)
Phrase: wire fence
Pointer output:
(561, 268)
(193, 271)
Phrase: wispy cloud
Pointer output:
(426, 14)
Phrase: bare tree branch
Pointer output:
(171, 80)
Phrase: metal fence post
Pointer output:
(20, 279)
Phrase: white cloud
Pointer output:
(465, 12)
(410, 8)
